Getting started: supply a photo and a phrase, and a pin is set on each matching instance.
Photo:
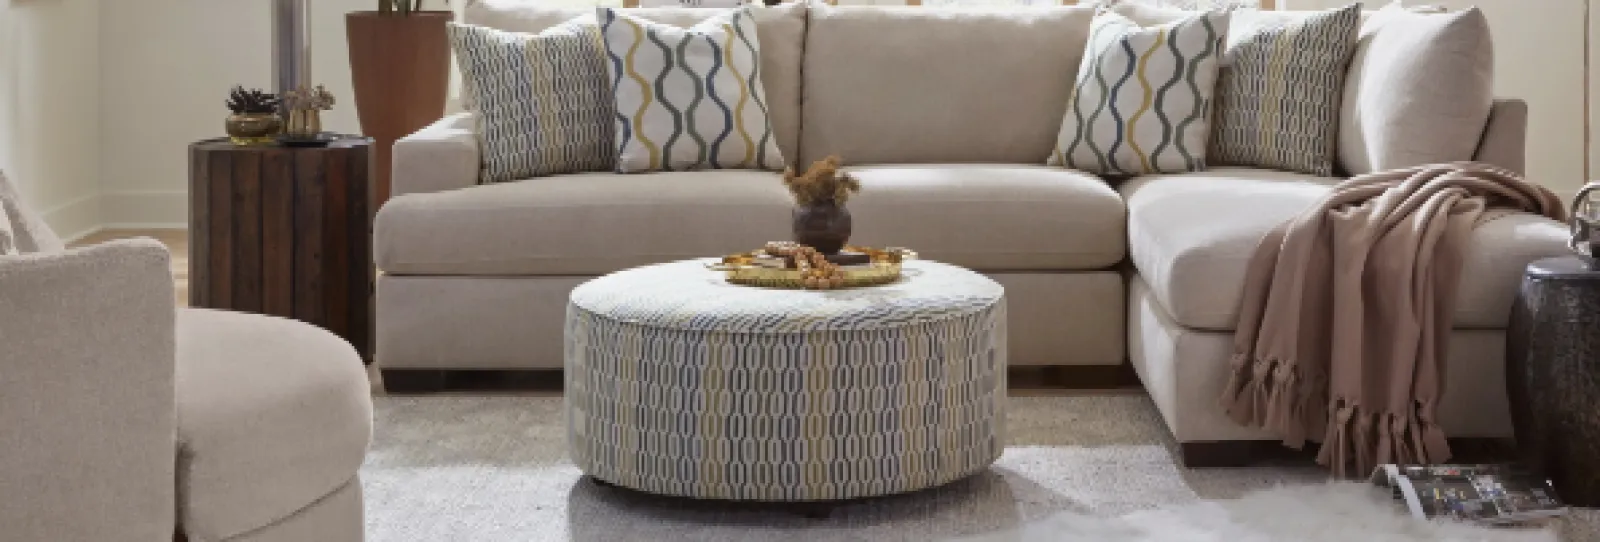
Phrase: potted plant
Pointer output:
(400, 67)
(255, 117)
(821, 220)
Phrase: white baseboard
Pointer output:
(75, 219)
(146, 210)
(154, 210)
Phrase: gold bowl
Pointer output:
(885, 268)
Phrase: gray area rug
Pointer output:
(495, 469)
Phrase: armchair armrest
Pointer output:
(86, 394)
(442, 156)
(1505, 136)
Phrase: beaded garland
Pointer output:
(819, 273)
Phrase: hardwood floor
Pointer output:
(1022, 381)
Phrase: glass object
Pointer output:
(1586, 222)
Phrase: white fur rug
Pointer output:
(1091, 468)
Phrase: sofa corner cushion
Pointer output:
(781, 30)
(1192, 235)
(886, 85)
(992, 217)
(273, 414)
(1419, 90)
(584, 224)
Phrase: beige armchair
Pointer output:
(127, 418)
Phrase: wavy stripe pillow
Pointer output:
(1142, 101)
(542, 100)
(688, 98)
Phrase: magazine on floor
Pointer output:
(1489, 494)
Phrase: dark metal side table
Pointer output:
(1553, 374)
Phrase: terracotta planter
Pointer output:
(400, 66)
(824, 226)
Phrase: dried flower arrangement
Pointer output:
(251, 102)
(821, 183)
(309, 99)
(305, 106)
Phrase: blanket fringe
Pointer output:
(1275, 395)
(1359, 440)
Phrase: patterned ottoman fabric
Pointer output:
(679, 383)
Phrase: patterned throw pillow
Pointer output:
(1281, 86)
(1142, 101)
(542, 100)
(688, 98)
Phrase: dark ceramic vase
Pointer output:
(824, 226)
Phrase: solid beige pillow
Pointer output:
(1418, 91)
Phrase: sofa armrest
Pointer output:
(86, 394)
(1505, 136)
(443, 156)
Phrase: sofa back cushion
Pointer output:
(780, 29)
(1419, 90)
(930, 84)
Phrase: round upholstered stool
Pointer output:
(274, 419)
(680, 383)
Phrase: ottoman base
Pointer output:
(680, 384)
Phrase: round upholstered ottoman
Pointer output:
(679, 383)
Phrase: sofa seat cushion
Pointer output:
(1192, 236)
(273, 415)
(992, 217)
(585, 224)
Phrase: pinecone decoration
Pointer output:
(253, 101)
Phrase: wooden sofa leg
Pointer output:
(1241, 453)
(1203, 455)
(414, 380)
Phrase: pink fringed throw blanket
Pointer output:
(1347, 312)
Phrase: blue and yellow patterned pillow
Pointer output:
(688, 98)
(1278, 98)
(1143, 97)
(542, 100)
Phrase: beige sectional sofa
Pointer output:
(946, 116)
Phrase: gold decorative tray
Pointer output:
(883, 269)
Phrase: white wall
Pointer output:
(167, 67)
(49, 108)
(1538, 46)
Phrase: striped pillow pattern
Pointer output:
(1142, 100)
(542, 100)
(688, 98)
(1280, 89)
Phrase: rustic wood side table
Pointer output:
(1553, 374)
(286, 232)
